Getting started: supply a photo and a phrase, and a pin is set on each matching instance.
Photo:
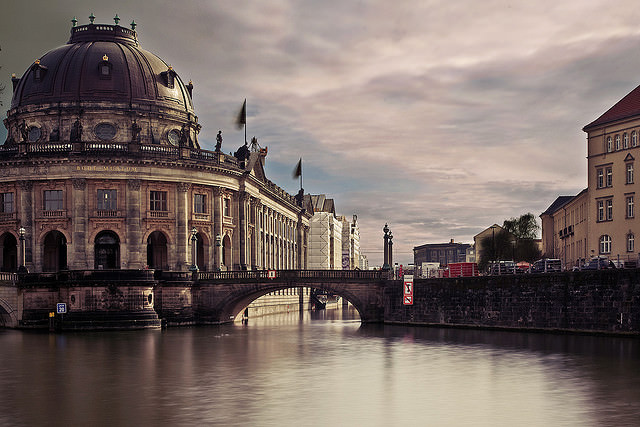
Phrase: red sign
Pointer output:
(407, 290)
(271, 274)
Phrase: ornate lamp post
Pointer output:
(194, 250)
(219, 256)
(391, 251)
(385, 266)
(22, 268)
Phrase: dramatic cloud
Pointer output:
(440, 118)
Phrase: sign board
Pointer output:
(61, 308)
(407, 290)
(271, 274)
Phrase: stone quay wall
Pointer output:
(606, 301)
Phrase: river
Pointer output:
(317, 369)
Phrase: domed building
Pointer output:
(102, 169)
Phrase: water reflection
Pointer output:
(317, 369)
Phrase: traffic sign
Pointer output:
(407, 290)
(407, 300)
(61, 308)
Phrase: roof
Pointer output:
(320, 203)
(560, 202)
(628, 106)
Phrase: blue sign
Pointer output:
(61, 308)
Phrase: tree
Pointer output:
(515, 241)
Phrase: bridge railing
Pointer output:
(292, 275)
(8, 278)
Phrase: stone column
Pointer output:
(182, 227)
(79, 259)
(217, 228)
(26, 220)
(243, 224)
(300, 242)
(136, 248)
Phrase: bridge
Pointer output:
(103, 299)
(604, 301)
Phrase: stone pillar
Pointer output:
(26, 220)
(79, 259)
(183, 235)
(300, 242)
(136, 255)
(217, 228)
(243, 224)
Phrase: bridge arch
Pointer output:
(8, 315)
(223, 302)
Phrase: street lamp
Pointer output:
(385, 266)
(219, 256)
(22, 268)
(391, 251)
(194, 250)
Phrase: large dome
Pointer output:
(106, 86)
(101, 63)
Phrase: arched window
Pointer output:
(54, 252)
(630, 242)
(617, 142)
(157, 251)
(625, 140)
(226, 252)
(609, 145)
(605, 244)
(634, 139)
(9, 248)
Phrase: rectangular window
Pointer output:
(609, 210)
(630, 242)
(158, 201)
(600, 182)
(629, 173)
(53, 200)
(227, 207)
(6, 202)
(600, 210)
(609, 177)
(200, 203)
(107, 200)
(630, 211)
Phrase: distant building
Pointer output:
(490, 232)
(564, 230)
(363, 263)
(325, 234)
(443, 253)
(350, 243)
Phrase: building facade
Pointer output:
(602, 220)
(443, 253)
(102, 169)
(325, 236)
(350, 243)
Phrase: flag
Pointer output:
(298, 170)
(241, 120)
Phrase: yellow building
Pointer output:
(601, 220)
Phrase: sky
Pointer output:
(437, 117)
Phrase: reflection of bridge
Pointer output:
(133, 298)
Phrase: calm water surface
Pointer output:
(321, 369)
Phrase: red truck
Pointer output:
(461, 269)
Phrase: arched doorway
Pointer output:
(54, 252)
(226, 252)
(157, 251)
(9, 248)
(107, 251)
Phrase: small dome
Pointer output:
(102, 63)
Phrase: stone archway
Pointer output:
(157, 251)
(107, 251)
(54, 252)
(9, 248)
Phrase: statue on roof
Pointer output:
(219, 142)
(76, 131)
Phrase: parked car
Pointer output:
(502, 267)
(546, 265)
(598, 263)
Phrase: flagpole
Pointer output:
(301, 173)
